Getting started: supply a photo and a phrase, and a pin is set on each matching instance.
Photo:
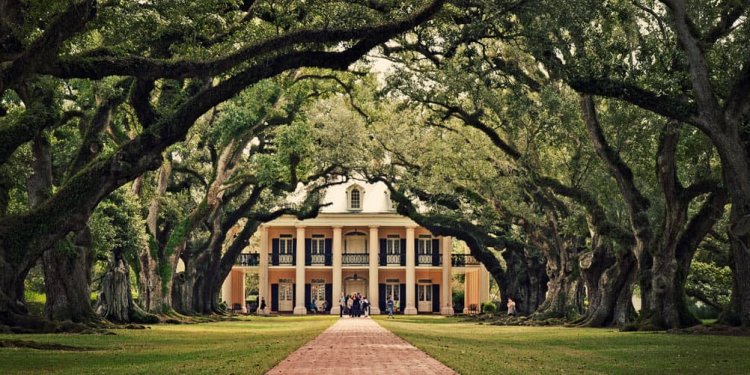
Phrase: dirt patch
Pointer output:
(719, 330)
(504, 320)
(41, 346)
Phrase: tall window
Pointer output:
(286, 241)
(317, 244)
(424, 246)
(318, 292)
(356, 199)
(393, 244)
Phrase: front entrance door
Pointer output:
(424, 297)
(286, 302)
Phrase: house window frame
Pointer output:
(318, 291)
(424, 244)
(350, 198)
(393, 244)
(317, 244)
(286, 244)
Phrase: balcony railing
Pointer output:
(251, 259)
(282, 259)
(355, 259)
(393, 259)
(319, 259)
(463, 260)
(429, 259)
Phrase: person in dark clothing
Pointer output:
(262, 309)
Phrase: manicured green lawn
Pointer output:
(470, 348)
(250, 346)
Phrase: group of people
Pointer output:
(316, 307)
(355, 305)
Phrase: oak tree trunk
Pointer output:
(67, 276)
(115, 301)
(524, 280)
(609, 275)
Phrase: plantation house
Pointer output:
(357, 244)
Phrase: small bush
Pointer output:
(489, 308)
(703, 311)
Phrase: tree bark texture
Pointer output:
(565, 291)
(609, 274)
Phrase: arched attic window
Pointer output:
(355, 198)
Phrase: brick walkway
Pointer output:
(359, 344)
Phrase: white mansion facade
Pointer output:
(357, 244)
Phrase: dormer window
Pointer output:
(356, 200)
(355, 195)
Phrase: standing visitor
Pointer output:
(262, 309)
(366, 306)
(511, 307)
(397, 305)
(342, 304)
(389, 306)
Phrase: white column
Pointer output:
(337, 260)
(484, 285)
(446, 305)
(299, 279)
(244, 291)
(263, 290)
(411, 283)
(226, 290)
(374, 258)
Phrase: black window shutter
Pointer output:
(416, 252)
(403, 251)
(435, 252)
(308, 251)
(436, 298)
(329, 254)
(383, 251)
(402, 298)
(275, 297)
(383, 298)
(308, 291)
(275, 252)
(329, 296)
(294, 252)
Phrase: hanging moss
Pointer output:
(153, 247)
(164, 270)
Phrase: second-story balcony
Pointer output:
(248, 260)
(392, 260)
(463, 260)
(358, 259)
(324, 259)
(434, 259)
(282, 259)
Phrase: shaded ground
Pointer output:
(250, 346)
(471, 348)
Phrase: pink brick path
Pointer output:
(359, 346)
